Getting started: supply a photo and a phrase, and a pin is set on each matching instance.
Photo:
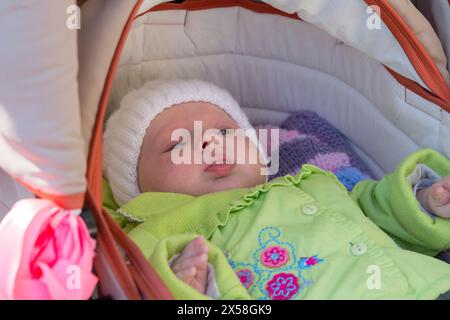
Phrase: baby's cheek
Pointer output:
(252, 175)
(184, 178)
(154, 174)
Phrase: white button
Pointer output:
(358, 249)
(309, 209)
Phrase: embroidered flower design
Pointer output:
(246, 277)
(274, 257)
(273, 270)
(308, 262)
(283, 286)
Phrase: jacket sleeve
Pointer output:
(228, 285)
(392, 205)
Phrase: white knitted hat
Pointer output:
(126, 127)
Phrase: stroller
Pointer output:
(375, 69)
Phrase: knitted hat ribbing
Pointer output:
(126, 127)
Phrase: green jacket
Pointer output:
(301, 237)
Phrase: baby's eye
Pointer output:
(225, 131)
(177, 145)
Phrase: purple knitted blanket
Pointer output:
(307, 138)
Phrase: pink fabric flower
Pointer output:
(308, 262)
(274, 257)
(283, 286)
(246, 277)
(45, 253)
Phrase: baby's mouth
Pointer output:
(220, 170)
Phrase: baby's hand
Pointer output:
(191, 265)
(436, 199)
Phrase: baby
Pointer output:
(156, 127)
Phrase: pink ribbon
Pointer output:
(46, 252)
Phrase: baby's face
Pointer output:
(158, 172)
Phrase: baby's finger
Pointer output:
(187, 274)
(182, 264)
(440, 195)
(199, 244)
(195, 247)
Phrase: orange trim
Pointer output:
(65, 201)
(193, 5)
(414, 49)
(107, 245)
(419, 90)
